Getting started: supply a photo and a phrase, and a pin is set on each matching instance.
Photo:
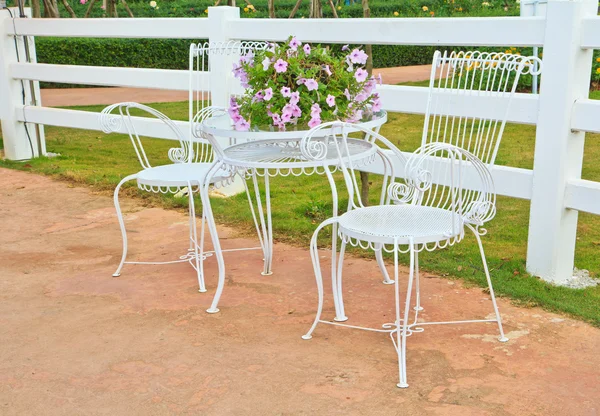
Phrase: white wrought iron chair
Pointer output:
(448, 183)
(192, 160)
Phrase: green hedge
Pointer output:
(173, 53)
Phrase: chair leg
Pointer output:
(502, 337)
(381, 264)
(190, 222)
(418, 306)
(117, 273)
(212, 228)
(265, 237)
(340, 313)
(197, 254)
(314, 254)
(254, 218)
(402, 324)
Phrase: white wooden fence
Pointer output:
(562, 111)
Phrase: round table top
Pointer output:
(281, 149)
(221, 126)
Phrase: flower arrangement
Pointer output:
(292, 84)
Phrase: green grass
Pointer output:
(98, 160)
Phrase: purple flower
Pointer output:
(358, 57)
(281, 66)
(266, 63)
(345, 47)
(276, 118)
(296, 111)
(233, 111)
(315, 111)
(376, 105)
(314, 122)
(236, 118)
(347, 94)
(370, 85)
(330, 100)
(301, 81)
(327, 70)
(286, 117)
(242, 125)
(259, 96)
(294, 43)
(361, 97)
(294, 97)
(306, 49)
(286, 92)
(361, 75)
(311, 84)
(268, 94)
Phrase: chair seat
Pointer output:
(383, 223)
(179, 174)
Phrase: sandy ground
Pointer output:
(76, 341)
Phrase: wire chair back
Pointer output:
(455, 146)
(200, 102)
(111, 123)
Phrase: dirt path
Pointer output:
(63, 97)
(76, 341)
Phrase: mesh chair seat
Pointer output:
(179, 174)
(383, 223)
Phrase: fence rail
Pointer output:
(561, 112)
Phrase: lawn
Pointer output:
(94, 159)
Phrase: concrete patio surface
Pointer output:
(76, 341)
(63, 97)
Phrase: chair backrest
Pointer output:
(201, 70)
(459, 143)
(111, 123)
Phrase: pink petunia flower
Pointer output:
(358, 57)
(306, 49)
(281, 66)
(268, 94)
(266, 63)
(361, 96)
(330, 100)
(327, 70)
(294, 97)
(314, 122)
(347, 94)
(295, 43)
(286, 92)
(360, 75)
(286, 117)
(242, 125)
(376, 105)
(311, 84)
(296, 111)
(345, 48)
(83, 1)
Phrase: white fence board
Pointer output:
(583, 195)
(585, 116)
(155, 28)
(473, 31)
(591, 33)
(402, 99)
(106, 76)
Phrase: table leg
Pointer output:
(265, 224)
(336, 281)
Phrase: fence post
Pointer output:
(558, 150)
(18, 145)
(219, 20)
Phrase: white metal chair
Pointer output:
(192, 160)
(448, 184)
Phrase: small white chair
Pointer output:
(192, 160)
(448, 182)
(186, 171)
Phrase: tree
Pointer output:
(315, 9)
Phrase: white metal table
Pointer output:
(266, 154)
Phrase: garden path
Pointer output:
(75, 340)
